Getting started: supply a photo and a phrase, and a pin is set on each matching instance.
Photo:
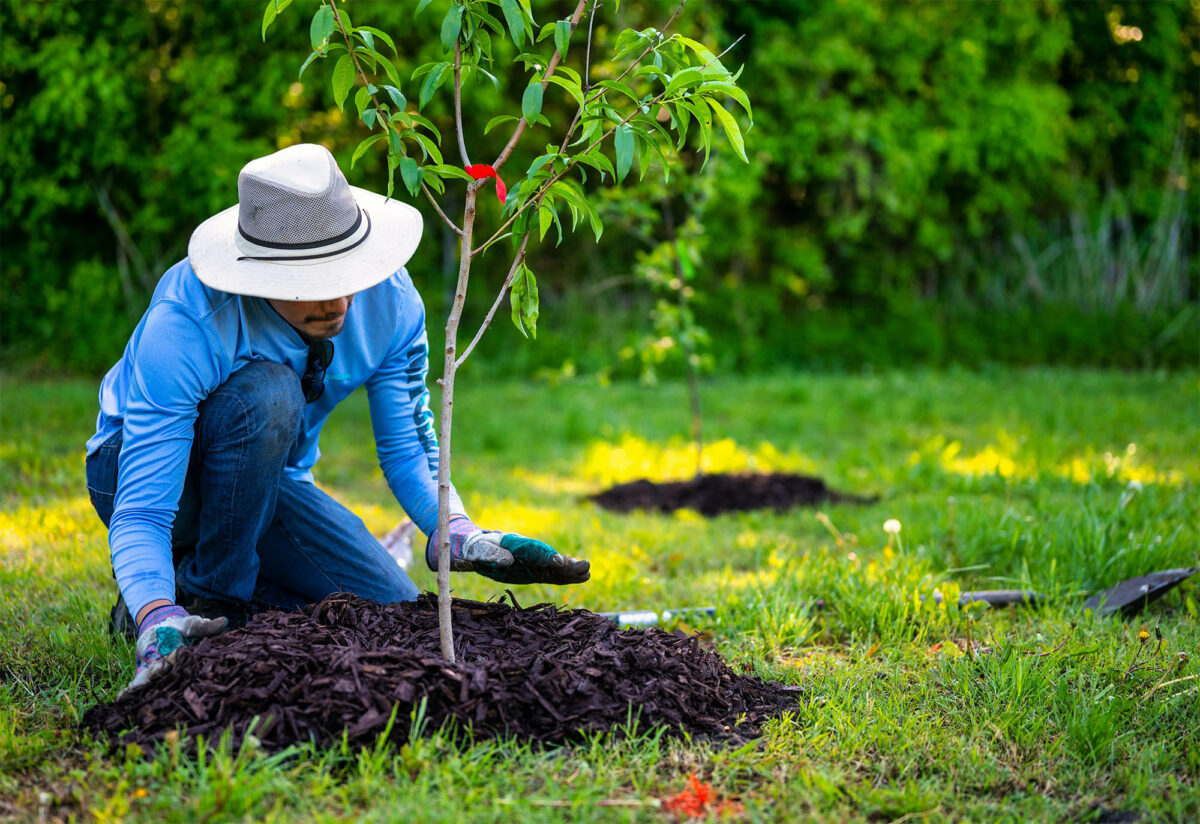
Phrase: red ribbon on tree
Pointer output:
(483, 171)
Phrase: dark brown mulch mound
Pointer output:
(714, 494)
(541, 673)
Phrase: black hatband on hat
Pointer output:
(320, 244)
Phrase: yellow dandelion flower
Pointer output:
(140, 792)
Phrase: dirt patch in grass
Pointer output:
(540, 674)
(713, 494)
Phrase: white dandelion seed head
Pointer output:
(892, 526)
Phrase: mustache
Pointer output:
(323, 318)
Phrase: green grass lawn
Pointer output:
(1061, 481)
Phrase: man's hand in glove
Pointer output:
(506, 556)
(160, 635)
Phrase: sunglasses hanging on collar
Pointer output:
(320, 355)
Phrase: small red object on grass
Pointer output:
(699, 800)
(482, 171)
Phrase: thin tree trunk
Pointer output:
(697, 430)
(689, 345)
(445, 628)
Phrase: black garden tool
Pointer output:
(1131, 597)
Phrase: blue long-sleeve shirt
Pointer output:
(191, 339)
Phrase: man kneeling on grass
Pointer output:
(201, 465)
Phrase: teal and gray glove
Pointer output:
(506, 556)
(161, 634)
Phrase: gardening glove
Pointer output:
(161, 634)
(506, 556)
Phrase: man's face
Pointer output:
(317, 319)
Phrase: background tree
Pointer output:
(912, 165)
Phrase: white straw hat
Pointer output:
(301, 232)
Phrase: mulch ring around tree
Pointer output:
(714, 494)
(541, 674)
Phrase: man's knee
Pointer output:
(262, 399)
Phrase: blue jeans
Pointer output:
(244, 532)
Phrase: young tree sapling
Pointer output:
(662, 71)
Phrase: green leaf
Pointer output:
(273, 8)
(362, 147)
(432, 81)
(597, 225)
(531, 102)
(516, 23)
(426, 122)
(487, 20)
(562, 37)
(432, 181)
(538, 163)
(682, 120)
(398, 99)
(620, 87)
(370, 117)
(630, 40)
(573, 89)
(657, 71)
(567, 71)
(451, 26)
(623, 140)
(703, 115)
(424, 69)
(410, 174)
(685, 78)
(524, 301)
(361, 98)
(514, 300)
(382, 35)
(489, 76)
(596, 159)
(321, 28)
(311, 57)
(421, 7)
(389, 67)
(530, 59)
(548, 217)
(452, 171)
(732, 131)
(343, 79)
(733, 91)
(699, 48)
(497, 120)
(428, 146)
(367, 38)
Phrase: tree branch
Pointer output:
(438, 209)
(550, 67)
(512, 272)
(458, 121)
(587, 58)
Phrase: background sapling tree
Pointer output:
(666, 87)
(669, 269)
